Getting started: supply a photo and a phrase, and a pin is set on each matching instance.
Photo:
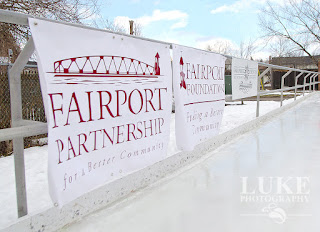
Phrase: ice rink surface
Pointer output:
(267, 180)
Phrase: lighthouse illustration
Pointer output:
(156, 65)
(182, 75)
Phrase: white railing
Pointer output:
(270, 67)
(25, 128)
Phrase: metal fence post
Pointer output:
(258, 89)
(311, 87)
(14, 76)
(258, 98)
(282, 84)
(295, 85)
(304, 82)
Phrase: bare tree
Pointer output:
(64, 10)
(12, 36)
(221, 46)
(103, 23)
(8, 41)
(297, 22)
(246, 49)
(209, 48)
(280, 47)
(137, 29)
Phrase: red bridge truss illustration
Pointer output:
(106, 66)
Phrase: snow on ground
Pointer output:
(36, 159)
(237, 114)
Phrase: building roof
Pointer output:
(301, 62)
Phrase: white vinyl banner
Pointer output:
(199, 92)
(244, 78)
(108, 105)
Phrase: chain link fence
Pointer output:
(32, 106)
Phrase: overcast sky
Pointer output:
(191, 23)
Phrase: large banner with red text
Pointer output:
(198, 80)
(108, 105)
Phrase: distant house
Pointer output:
(302, 62)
